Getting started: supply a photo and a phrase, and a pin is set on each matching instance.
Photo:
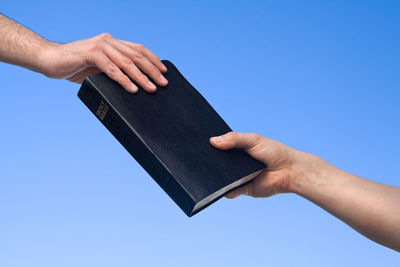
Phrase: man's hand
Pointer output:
(120, 60)
(282, 161)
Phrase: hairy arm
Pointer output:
(122, 61)
(371, 208)
(20, 46)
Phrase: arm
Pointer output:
(370, 208)
(120, 60)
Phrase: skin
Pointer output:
(122, 61)
(371, 208)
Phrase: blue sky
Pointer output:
(320, 76)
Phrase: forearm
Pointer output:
(122, 61)
(371, 208)
(20, 46)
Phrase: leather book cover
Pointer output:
(168, 132)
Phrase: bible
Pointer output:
(168, 133)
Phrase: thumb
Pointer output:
(235, 140)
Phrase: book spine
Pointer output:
(126, 136)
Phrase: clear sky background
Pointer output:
(320, 76)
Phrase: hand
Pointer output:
(120, 60)
(371, 208)
(284, 164)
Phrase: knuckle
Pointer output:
(92, 47)
(124, 80)
(104, 36)
(140, 47)
(138, 56)
(112, 68)
(154, 71)
(230, 138)
(125, 62)
(142, 78)
(254, 136)
(254, 139)
(232, 135)
(120, 78)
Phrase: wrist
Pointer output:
(307, 170)
(46, 57)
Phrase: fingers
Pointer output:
(235, 140)
(148, 54)
(243, 190)
(128, 67)
(123, 61)
(142, 58)
(146, 66)
(112, 71)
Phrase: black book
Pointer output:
(168, 132)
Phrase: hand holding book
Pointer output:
(280, 159)
(370, 208)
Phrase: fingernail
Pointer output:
(164, 68)
(133, 88)
(151, 85)
(163, 80)
(217, 139)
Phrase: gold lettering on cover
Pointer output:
(102, 110)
